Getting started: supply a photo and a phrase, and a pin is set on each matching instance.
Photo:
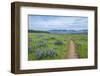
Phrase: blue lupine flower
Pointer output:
(39, 54)
(51, 52)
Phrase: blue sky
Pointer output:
(43, 23)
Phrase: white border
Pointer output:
(25, 64)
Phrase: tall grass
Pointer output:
(81, 42)
(45, 42)
(46, 46)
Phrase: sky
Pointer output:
(44, 23)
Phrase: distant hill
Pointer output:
(37, 31)
(69, 31)
(61, 31)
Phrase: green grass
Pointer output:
(61, 50)
(81, 42)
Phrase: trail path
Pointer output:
(72, 52)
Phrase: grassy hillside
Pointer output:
(81, 42)
(44, 46)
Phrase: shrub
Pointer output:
(41, 44)
(39, 35)
(58, 42)
(52, 38)
(30, 49)
(79, 44)
(29, 39)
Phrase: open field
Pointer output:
(81, 43)
(46, 46)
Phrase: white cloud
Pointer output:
(53, 22)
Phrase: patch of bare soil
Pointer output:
(72, 52)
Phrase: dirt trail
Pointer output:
(72, 52)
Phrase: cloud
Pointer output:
(57, 22)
